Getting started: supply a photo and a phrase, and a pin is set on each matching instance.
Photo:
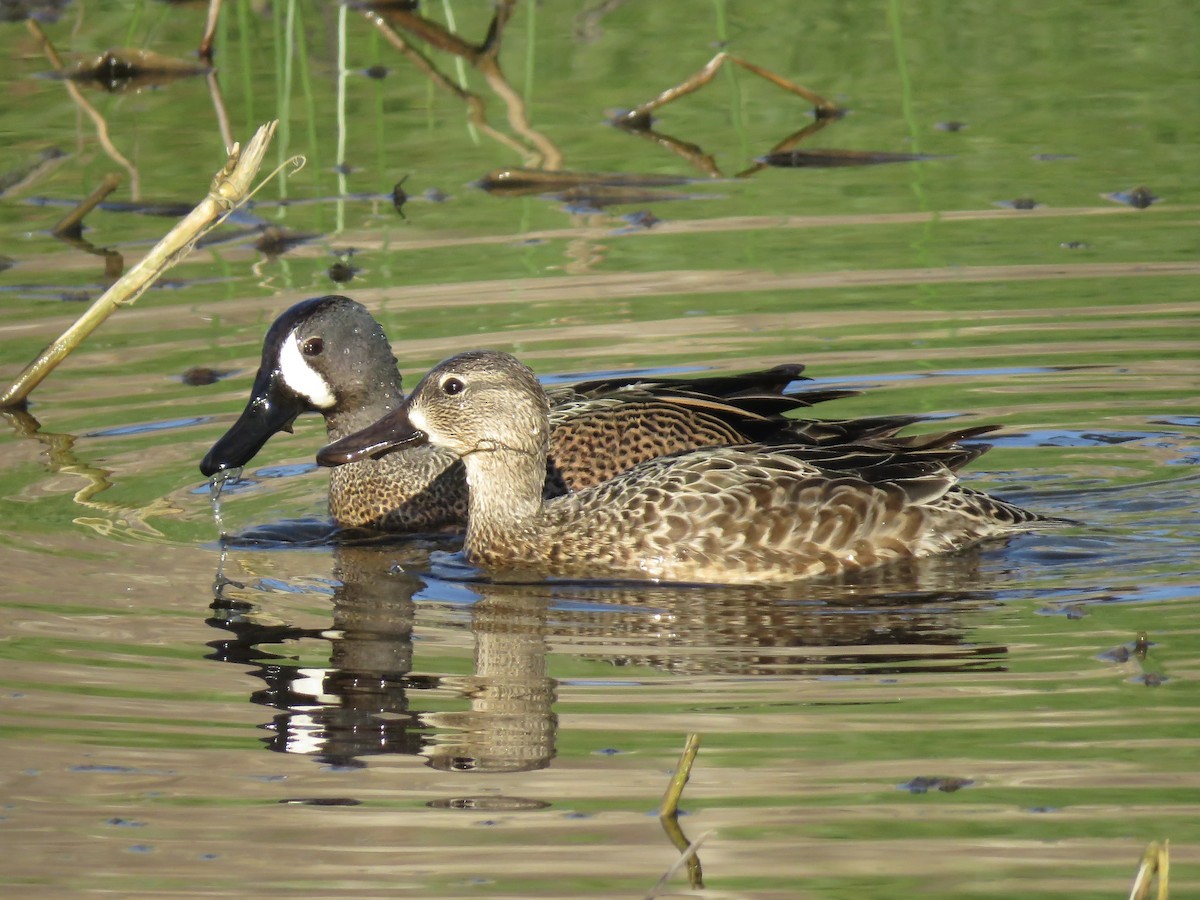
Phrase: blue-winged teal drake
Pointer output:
(329, 355)
(745, 514)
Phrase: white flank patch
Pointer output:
(302, 378)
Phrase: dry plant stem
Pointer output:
(549, 156)
(476, 111)
(484, 59)
(71, 222)
(229, 188)
(709, 72)
(788, 143)
(1155, 860)
(135, 180)
(218, 99)
(683, 771)
(210, 26)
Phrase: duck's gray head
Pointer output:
(323, 355)
(475, 402)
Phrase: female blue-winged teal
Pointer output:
(754, 513)
(329, 355)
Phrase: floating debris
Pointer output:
(923, 784)
(492, 802)
(38, 10)
(1019, 203)
(642, 219)
(594, 198)
(376, 72)
(276, 241)
(121, 70)
(519, 182)
(951, 126)
(1118, 654)
(198, 376)
(1138, 198)
(343, 270)
(433, 195)
(1073, 245)
(835, 159)
(167, 210)
(1054, 157)
(1141, 646)
(399, 197)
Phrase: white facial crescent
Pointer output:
(301, 377)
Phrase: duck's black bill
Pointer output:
(390, 433)
(271, 409)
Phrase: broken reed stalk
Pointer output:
(230, 187)
(670, 802)
(205, 50)
(1156, 860)
(71, 224)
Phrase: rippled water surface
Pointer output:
(182, 715)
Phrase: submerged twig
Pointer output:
(135, 180)
(640, 120)
(71, 224)
(229, 188)
(484, 58)
(639, 117)
(686, 857)
(29, 171)
(668, 815)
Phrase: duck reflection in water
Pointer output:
(362, 703)
(368, 700)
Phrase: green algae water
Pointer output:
(186, 715)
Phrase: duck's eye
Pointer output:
(453, 386)
(313, 346)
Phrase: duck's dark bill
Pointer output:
(271, 409)
(374, 441)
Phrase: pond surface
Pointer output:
(182, 715)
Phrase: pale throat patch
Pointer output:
(302, 378)
(417, 419)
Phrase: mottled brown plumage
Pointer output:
(329, 355)
(742, 514)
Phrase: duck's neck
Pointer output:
(505, 506)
